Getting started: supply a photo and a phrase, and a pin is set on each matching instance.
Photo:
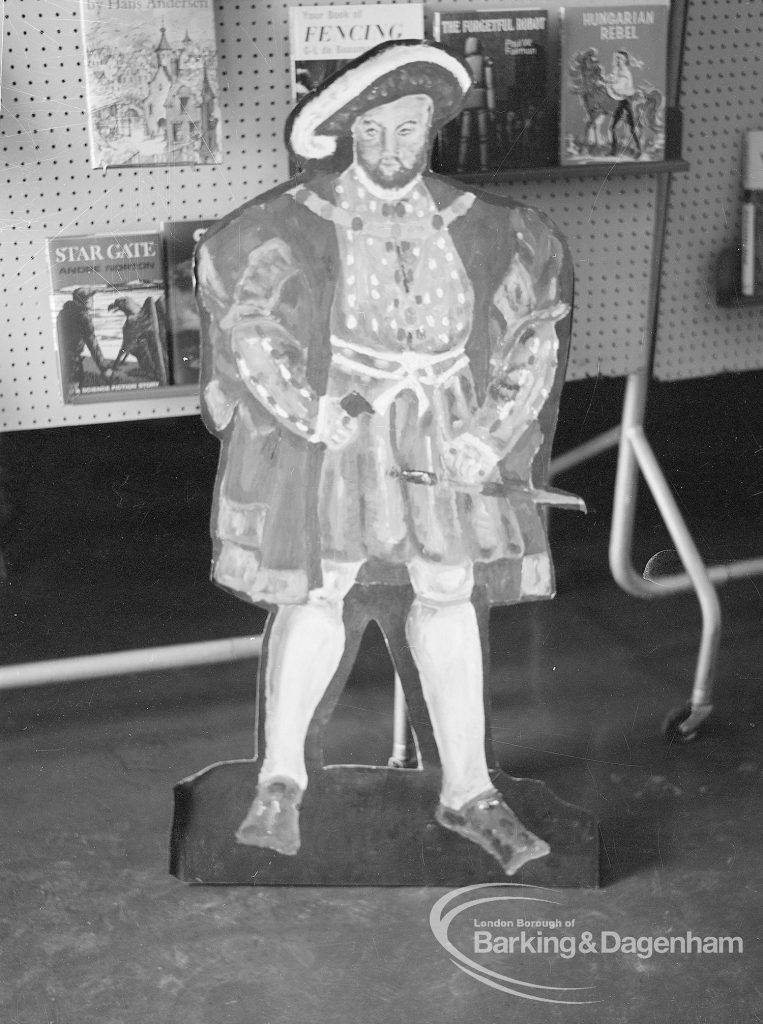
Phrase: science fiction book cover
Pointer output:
(511, 114)
(107, 301)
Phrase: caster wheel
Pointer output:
(408, 762)
(671, 732)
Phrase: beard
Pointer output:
(392, 173)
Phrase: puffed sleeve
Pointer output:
(531, 299)
(255, 336)
(221, 387)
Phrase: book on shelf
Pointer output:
(324, 38)
(107, 298)
(752, 244)
(511, 115)
(613, 82)
(752, 214)
(151, 82)
(183, 326)
(757, 198)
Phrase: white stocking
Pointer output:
(304, 650)
(445, 644)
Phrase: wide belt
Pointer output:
(405, 371)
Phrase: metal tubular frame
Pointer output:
(582, 452)
(119, 663)
(404, 754)
(634, 454)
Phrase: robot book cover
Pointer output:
(510, 118)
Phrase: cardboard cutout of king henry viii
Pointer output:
(383, 351)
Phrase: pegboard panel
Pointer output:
(609, 225)
(51, 191)
(721, 99)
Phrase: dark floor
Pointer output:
(105, 538)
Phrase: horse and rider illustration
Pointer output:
(621, 119)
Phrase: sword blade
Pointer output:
(495, 489)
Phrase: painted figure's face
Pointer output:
(392, 141)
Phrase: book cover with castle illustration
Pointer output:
(510, 118)
(151, 79)
(614, 74)
(107, 302)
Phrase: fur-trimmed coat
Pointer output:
(267, 277)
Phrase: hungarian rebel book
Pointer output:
(510, 118)
(109, 317)
(151, 82)
(183, 326)
(614, 75)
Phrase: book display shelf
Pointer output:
(620, 167)
(625, 221)
(55, 192)
(672, 163)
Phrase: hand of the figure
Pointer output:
(335, 427)
(469, 460)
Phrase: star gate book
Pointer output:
(511, 114)
(108, 314)
(614, 75)
(151, 81)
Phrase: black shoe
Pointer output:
(273, 819)
(487, 821)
